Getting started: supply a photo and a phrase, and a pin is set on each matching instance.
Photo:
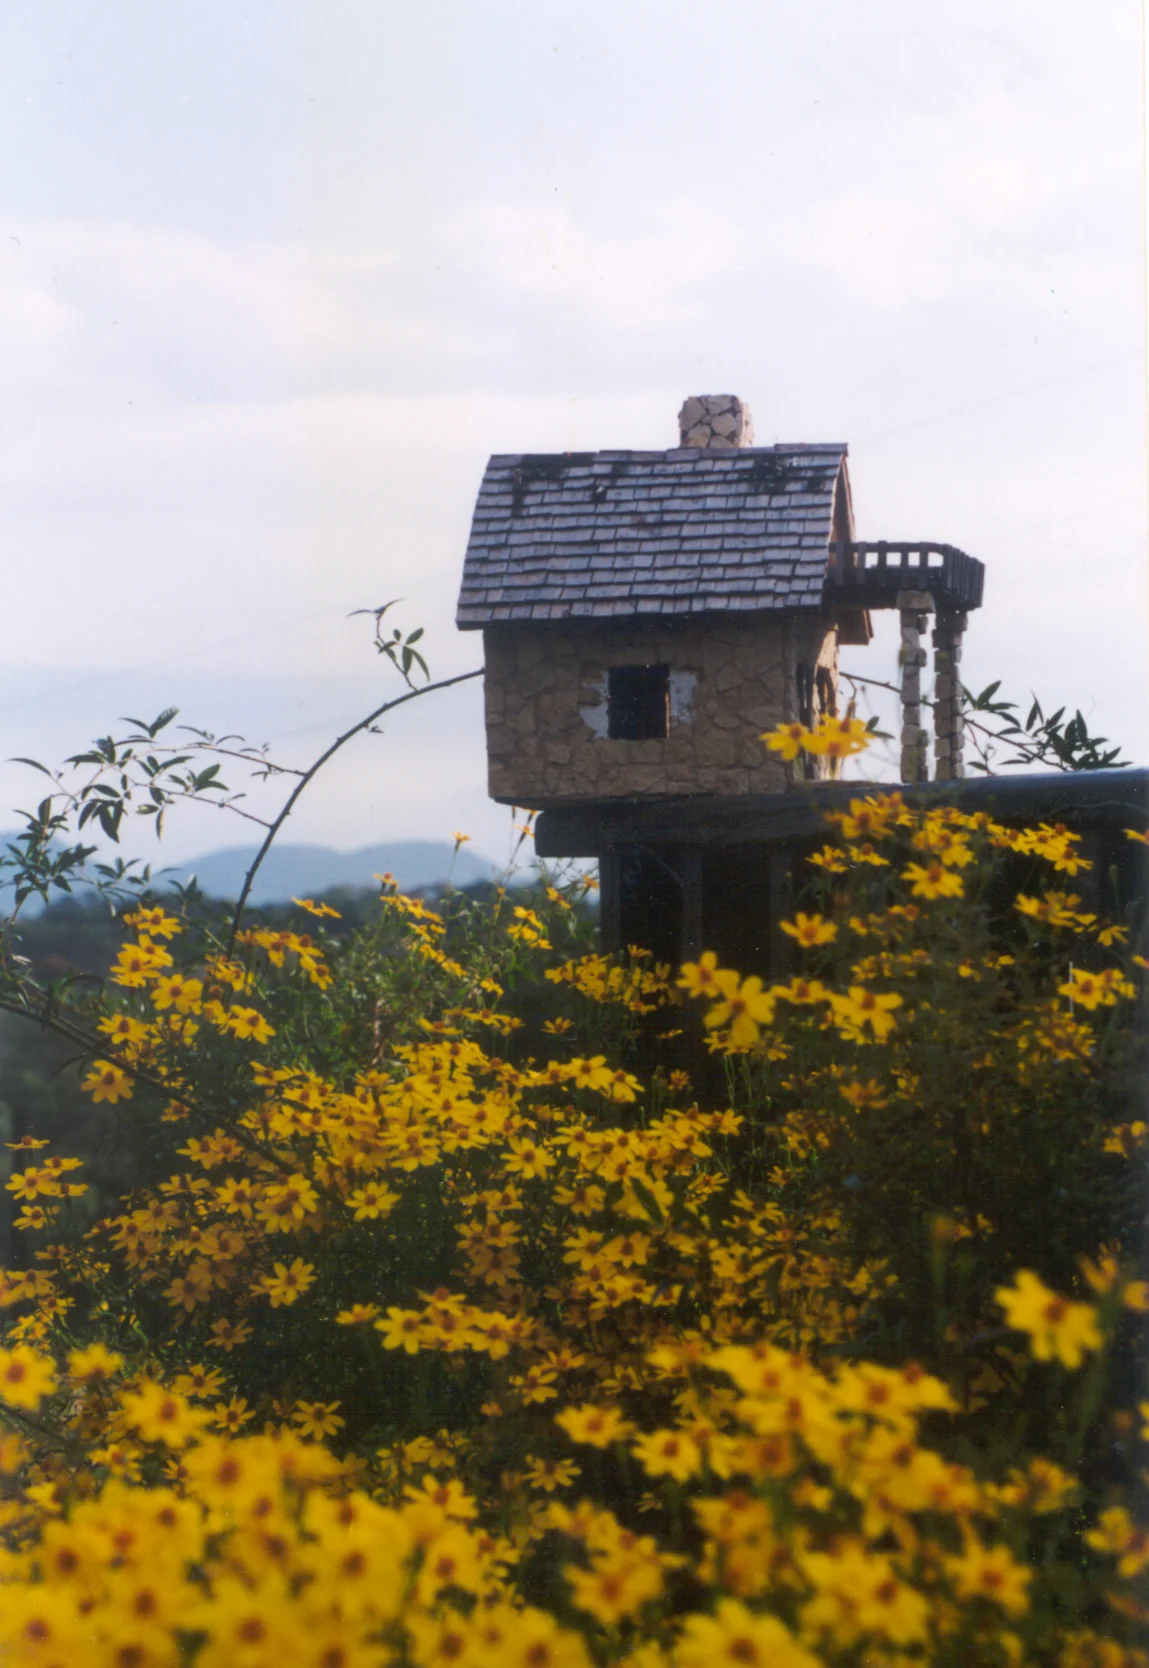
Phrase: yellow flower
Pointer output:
(94, 1363)
(862, 1095)
(837, 738)
(450, 1498)
(122, 1028)
(935, 881)
(699, 978)
(285, 1284)
(316, 909)
(357, 1314)
(861, 1007)
(551, 1474)
(530, 1639)
(527, 1158)
(402, 1329)
(106, 1081)
(231, 1416)
(1094, 990)
(613, 1590)
(669, 1453)
(830, 859)
(26, 1377)
(198, 1381)
(228, 1335)
(1127, 1541)
(596, 1426)
(159, 1415)
(809, 930)
(991, 1573)
(745, 1008)
(153, 923)
(317, 1419)
(137, 963)
(787, 739)
(176, 991)
(734, 1637)
(1057, 1327)
(248, 1024)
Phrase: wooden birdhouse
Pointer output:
(646, 615)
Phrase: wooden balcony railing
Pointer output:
(871, 575)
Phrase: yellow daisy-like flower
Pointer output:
(734, 1637)
(109, 1082)
(318, 909)
(746, 1006)
(318, 1419)
(137, 963)
(991, 1573)
(809, 930)
(26, 1377)
(596, 1426)
(934, 880)
(669, 1453)
(160, 1415)
(94, 1363)
(153, 923)
(248, 1024)
(1095, 990)
(286, 1283)
(837, 738)
(700, 978)
(1058, 1328)
(551, 1474)
(357, 1315)
(175, 991)
(787, 739)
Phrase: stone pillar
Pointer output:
(914, 608)
(715, 420)
(949, 730)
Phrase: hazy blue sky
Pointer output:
(276, 278)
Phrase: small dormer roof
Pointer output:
(694, 530)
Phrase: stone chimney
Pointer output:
(716, 420)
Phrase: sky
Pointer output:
(277, 277)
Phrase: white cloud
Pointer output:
(653, 277)
(118, 311)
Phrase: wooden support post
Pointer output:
(780, 858)
(690, 877)
(914, 608)
(949, 729)
(609, 901)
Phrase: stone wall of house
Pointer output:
(730, 679)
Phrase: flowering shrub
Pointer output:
(433, 1334)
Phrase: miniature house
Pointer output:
(646, 615)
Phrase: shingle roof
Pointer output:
(576, 535)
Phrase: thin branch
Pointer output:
(970, 723)
(309, 775)
(230, 805)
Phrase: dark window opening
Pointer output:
(638, 703)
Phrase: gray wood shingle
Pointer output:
(585, 535)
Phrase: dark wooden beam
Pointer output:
(1098, 798)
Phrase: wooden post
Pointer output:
(949, 730)
(780, 858)
(609, 901)
(914, 608)
(690, 878)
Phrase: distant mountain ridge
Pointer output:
(306, 871)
